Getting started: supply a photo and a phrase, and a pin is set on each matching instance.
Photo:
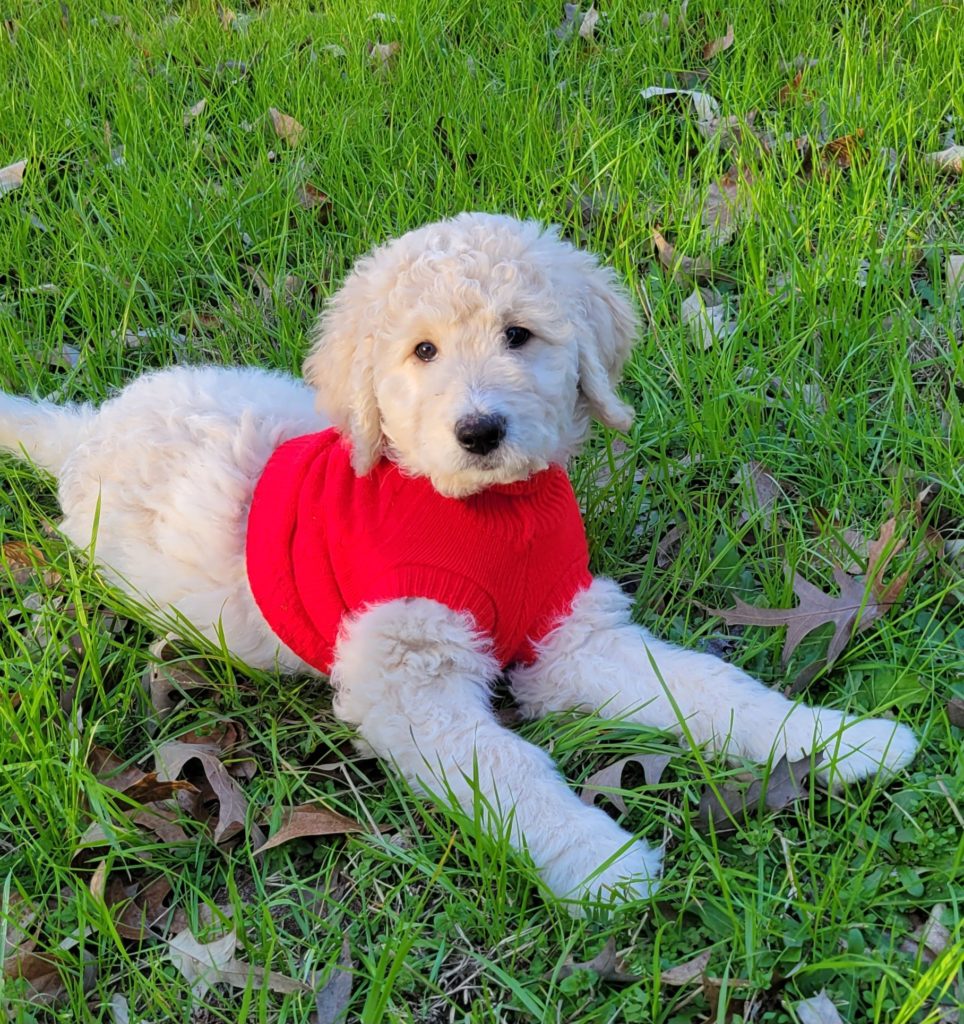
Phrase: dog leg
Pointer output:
(411, 675)
(598, 660)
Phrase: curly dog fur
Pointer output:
(170, 463)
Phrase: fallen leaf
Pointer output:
(725, 203)
(707, 323)
(136, 908)
(683, 974)
(603, 782)
(705, 106)
(309, 820)
(950, 160)
(667, 543)
(735, 803)
(760, 488)
(699, 267)
(587, 26)
(331, 1001)
(227, 17)
(794, 91)
(11, 177)
(166, 677)
(285, 127)
(858, 605)
(607, 964)
(381, 55)
(930, 939)
(955, 712)
(955, 279)
(204, 965)
(194, 112)
(310, 197)
(715, 46)
(174, 757)
(841, 152)
(663, 19)
(65, 357)
(20, 561)
(817, 1009)
(44, 973)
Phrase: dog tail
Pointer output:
(42, 432)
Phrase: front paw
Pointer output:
(858, 749)
(604, 864)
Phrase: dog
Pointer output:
(447, 384)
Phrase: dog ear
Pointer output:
(340, 366)
(607, 337)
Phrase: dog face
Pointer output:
(473, 352)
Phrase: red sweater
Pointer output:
(323, 543)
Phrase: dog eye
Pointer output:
(426, 351)
(516, 337)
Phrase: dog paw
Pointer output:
(858, 749)
(605, 865)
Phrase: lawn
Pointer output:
(805, 403)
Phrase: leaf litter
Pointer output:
(608, 780)
(309, 820)
(861, 601)
(206, 964)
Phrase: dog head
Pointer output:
(473, 351)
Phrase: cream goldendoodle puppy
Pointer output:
(430, 539)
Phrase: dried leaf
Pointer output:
(310, 820)
(856, 599)
(683, 974)
(705, 106)
(381, 55)
(699, 267)
(760, 488)
(841, 152)
(165, 676)
(66, 357)
(607, 964)
(587, 27)
(667, 544)
(715, 46)
(212, 963)
(11, 177)
(707, 323)
(955, 279)
(44, 973)
(950, 160)
(173, 757)
(726, 202)
(603, 782)
(818, 1009)
(19, 561)
(285, 127)
(663, 19)
(930, 939)
(227, 17)
(331, 1001)
(194, 112)
(955, 712)
(795, 91)
(136, 908)
(736, 803)
(310, 197)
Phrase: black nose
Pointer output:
(480, 434)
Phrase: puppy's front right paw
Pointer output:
(604, 864)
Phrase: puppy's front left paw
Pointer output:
(857, 750)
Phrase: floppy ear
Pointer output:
(340, 366)
(605, 340)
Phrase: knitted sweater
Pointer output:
(323, 543)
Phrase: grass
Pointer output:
(485, 108)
